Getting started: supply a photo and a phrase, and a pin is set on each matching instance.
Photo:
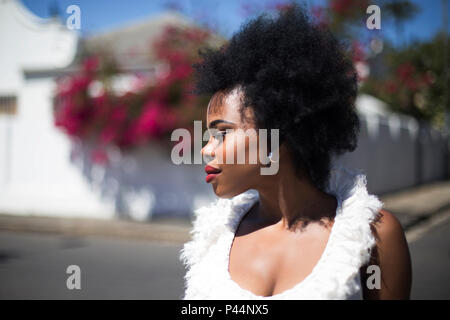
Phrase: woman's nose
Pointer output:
(208, 151)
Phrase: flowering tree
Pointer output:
(107, 106)
(415, 81)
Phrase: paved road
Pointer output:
(33, 266)
(430, 257)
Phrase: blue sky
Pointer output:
(227, 15)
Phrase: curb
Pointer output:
(162, 231)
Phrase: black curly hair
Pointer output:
(298, 78)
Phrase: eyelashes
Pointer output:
(220, 133)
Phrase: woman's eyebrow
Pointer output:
(214, 123)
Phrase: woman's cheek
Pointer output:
(229, 150)
(220, 154)
(240, 146)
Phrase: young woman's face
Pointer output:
(233, 178)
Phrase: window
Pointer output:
(8, 105)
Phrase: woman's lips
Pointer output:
(211, 176)
(211, 173)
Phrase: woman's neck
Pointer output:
(287, 200)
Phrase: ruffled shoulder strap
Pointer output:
(351, 241)
(211, 221)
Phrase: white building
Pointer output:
(42, 172)
(36, 175)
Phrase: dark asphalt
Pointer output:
(33, 266)
(430, 257)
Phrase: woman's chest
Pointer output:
(266, 262)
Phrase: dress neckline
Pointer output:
(231, 234)
(336, 273)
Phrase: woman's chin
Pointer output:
(224, 194)
(220, 194)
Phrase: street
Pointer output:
(33, 266)
(430, 257)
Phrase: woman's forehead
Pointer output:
(225, 103)
(215, 105)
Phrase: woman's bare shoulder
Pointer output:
(391, 255)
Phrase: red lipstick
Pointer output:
(211, 173)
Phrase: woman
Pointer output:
(311, 230)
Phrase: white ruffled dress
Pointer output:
(335, 276)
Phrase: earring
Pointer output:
(270, 158)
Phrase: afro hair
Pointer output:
(297, 77)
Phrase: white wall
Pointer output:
(388, 149)
(36, 174)
(40, 177)
(29, 42)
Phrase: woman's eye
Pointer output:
(220, 134)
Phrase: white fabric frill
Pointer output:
(335, 276)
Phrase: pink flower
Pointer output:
(160, 92)
(119, 114)
(179, 72)
(108, 134)
(129, 137)
(148, 111)
(358, 51)
(391, 87)
(101, 107)
(412, 84)
(341, 6)
(91, 63)
(154, 121)
(405, 71)
(72, 125)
